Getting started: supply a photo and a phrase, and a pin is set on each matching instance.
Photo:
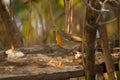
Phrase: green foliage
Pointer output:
(30, 33)
(19, 7)
(75, 2)
(21, 10)
(52, 39)
(61, 2)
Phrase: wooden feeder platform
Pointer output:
(47, 63)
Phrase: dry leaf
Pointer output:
(55, 63)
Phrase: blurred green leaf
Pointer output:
(61, 2)
(19, 7)
(75, 2)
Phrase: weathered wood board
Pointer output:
(45, 63)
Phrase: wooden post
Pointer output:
(90, 36)
(90, 51)
(106, 50)
(92, 18)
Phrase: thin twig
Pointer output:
(83, 43)
(51, 14)
(110, 21)
(92, 8)
(63, 13)
(102, 9)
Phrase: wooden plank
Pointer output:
(34, 66)
(53, 76)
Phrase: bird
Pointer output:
(66, 40)
(70, 43)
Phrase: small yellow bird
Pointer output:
(67, 41)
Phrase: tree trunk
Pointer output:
(90, 36)
(15, 36)
(4, 42)
(106, 52)
(100, 76)
(118, 19)
(92, 20)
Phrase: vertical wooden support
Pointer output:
(90, 36)
(90, 50)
